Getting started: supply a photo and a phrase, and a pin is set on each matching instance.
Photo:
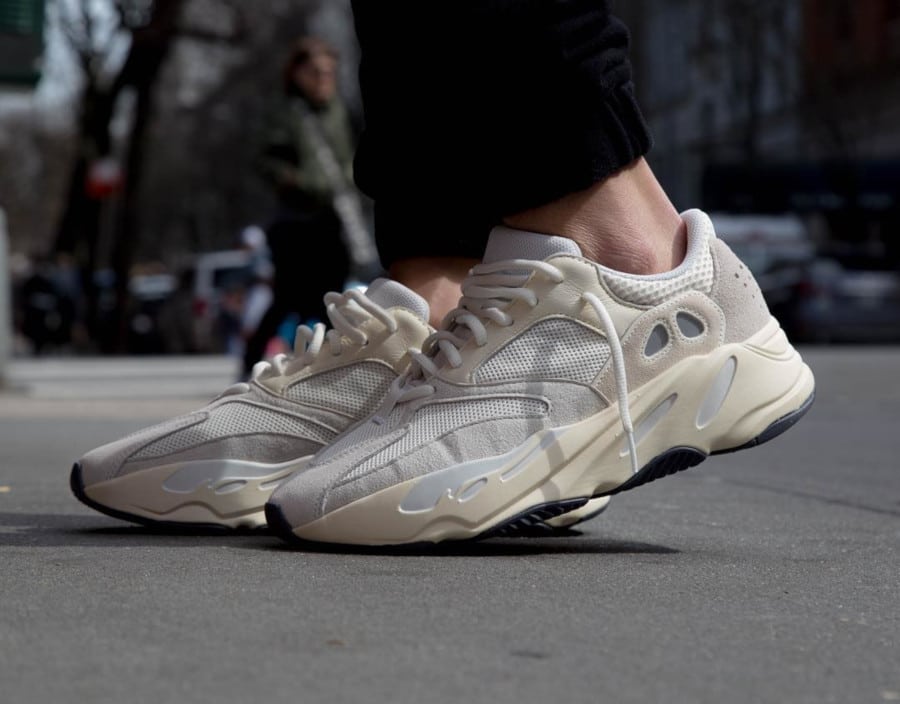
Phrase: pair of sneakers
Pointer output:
(556, 383)
(216, 467)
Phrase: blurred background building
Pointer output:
(135, 155)
(785, 115)
(129, 131)
(767, 106)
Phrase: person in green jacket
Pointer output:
(307, 157)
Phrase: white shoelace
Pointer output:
(308, 342)
(487, 292)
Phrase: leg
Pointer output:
(625, 222)
(435, 206)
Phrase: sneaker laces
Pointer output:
(308, 342)
(487, 291)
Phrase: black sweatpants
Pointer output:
(310, 258)
(523, 101)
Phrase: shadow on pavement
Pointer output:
(561, 542)
(56, 530)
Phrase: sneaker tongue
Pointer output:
(390, 294)
(507, 243)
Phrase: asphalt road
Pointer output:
(772, 575)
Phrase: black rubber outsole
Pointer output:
(76, 483)
(531, 523)
(678, 459)
(780, 426)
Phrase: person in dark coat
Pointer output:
(307, 158)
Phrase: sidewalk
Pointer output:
(121, 377)
(113, 387)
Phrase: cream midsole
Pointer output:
(592, 508)
(766, 380)
(235, 497)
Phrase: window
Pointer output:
(21, 40)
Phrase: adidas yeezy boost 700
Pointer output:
(555, 381)
(218, 465)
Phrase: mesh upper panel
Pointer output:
(435, 420)
(355, 390)
(551, 349)
(653, 290)
(232, 419)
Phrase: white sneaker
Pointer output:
(558, 380)
(218, 465)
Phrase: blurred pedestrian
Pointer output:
(257, 297)
(253, 241)
(307, 158)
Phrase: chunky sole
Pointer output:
(202, 496)
(738, 396)
(577, 516)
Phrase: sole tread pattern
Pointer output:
(531, 522)
(780, 426)
(669, 462)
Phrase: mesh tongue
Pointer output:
(507, 243)
(390, 294)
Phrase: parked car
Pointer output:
(148, 294)
(761, 241)
(835, 303)
(776, 248)
(47, 308)
(218, 277)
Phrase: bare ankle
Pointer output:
(626, 222)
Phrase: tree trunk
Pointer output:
(149, 49)
(78, 230)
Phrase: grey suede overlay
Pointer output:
(641, 369)
(319, 489)
(568, 403)
(488, 439)
(331, 479)
(106, 461)
(268, 448)
(738, 295)
(433, 422)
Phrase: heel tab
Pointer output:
(699, 225)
